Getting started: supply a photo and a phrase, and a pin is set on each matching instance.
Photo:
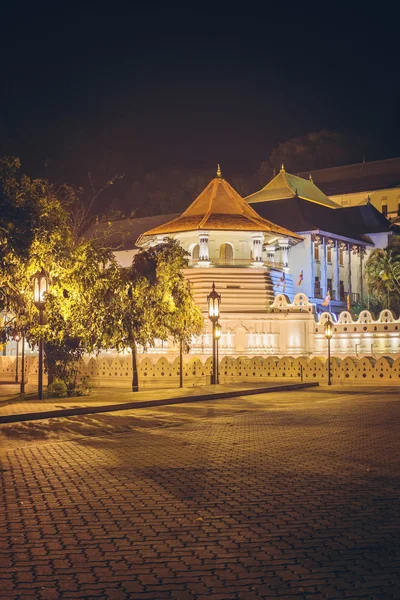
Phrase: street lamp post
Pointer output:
(328, 334)
(40, 289)
(217, 334)
(17, 338)
(213, 301)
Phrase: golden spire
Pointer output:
(310, 178)
(219, 172)
(282, 168)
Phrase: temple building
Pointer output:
(336, 240)
(278, 258)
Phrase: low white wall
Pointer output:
(161, 373)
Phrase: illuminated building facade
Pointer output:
(273, 257)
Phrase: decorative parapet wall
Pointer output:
(116, 371)
(360, 337)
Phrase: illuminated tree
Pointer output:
(154, 302)
(382, 272)
(37, 232)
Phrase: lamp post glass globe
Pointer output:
(217, 331)
(213, 300)
(328, 327)
(40, 288)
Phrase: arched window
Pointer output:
(196, 252)
(226, 254)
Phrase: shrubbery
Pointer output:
(62, 389)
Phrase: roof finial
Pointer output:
(310, 178)
(274, 172)
(219, 172)
(282, 167)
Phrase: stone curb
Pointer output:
(88, 410)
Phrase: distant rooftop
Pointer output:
(286, 185)
(359, 177)
(122, 235)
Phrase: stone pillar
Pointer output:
(311, 288)
(204, 256)
(362, 252)
(284, 247)
(270, 250)
(337, 270)
(258, 239)
(349, 253)
(322, 258)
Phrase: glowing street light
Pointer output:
(328, 327)
(40, 289)
(213, 301)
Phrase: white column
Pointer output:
(204, 256)
(349, 253)
(337, 270)
(311, 288)
(362, 252)
(270, 249)
(258, 239)
(284, 247)
(322, 258)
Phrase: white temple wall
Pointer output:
(116, 371)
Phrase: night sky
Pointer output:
(115, 87)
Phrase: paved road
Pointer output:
(290, 496)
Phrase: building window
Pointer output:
(384, 210)
(329, 285)
(317, 288)
(195, 252)
(329, 254)
(341, 290)
(316, 251)
(226, 254)
(341, 257)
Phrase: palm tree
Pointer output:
(382, 272)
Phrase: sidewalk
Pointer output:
(14, 409)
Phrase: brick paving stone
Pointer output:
(288, 496)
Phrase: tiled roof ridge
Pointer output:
(357, 164)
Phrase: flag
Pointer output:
(282, 281)
(348, 301)
(327, 299)
(300, 279)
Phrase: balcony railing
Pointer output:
(237, 262)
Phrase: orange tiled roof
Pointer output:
(220, 207)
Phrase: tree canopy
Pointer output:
(37, 233)
(92, 303)
(382, 271)
(153, 301)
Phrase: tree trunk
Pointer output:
(135, 374)
(181, 364)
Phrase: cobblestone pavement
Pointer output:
(12, 404)
(293, 495)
